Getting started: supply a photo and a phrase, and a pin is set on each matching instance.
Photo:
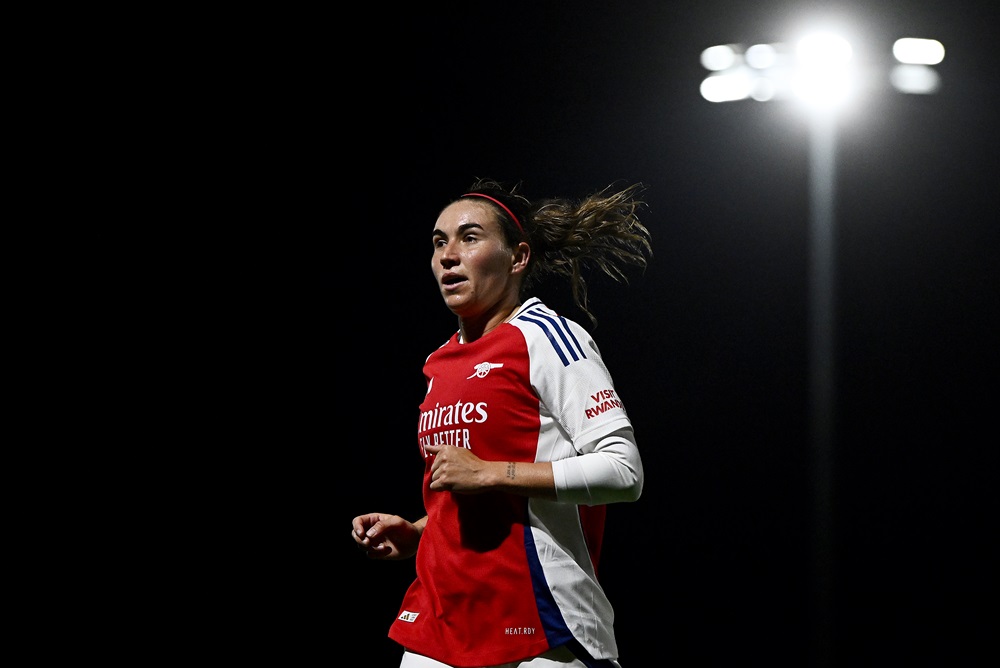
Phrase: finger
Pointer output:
(379, 550)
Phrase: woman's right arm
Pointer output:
(387, 537)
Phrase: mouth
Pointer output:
(451, 282)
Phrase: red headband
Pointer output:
(502, 206)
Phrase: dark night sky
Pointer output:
(709, 348)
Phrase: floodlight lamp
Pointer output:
(914, 51)
(727, 86)
(822, 79)
(720, 57)
(761, 56)
(915, 79)
(824, 50)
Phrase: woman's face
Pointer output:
(473, 266)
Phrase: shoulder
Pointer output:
(547, 332)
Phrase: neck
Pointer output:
(475, 328)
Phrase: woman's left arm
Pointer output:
(608, 471)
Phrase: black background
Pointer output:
(709, 349)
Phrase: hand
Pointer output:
(387, 537)
(456, 469)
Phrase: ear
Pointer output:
(519, 260)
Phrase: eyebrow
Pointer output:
(461, 228)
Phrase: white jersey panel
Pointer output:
(577, 405)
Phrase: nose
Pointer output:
(448, 256)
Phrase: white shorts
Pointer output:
(560, 657)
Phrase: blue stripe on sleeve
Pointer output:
(548, 333)
(566, 345)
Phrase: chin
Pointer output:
(457, 305)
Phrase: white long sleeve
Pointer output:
(607, 471)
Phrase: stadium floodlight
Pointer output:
(819, 72)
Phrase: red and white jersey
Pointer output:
(501, 577)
